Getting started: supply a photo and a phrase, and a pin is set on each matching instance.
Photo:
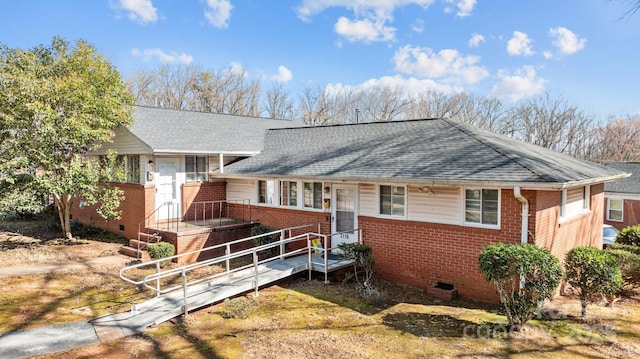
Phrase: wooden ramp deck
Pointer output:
(228, 284)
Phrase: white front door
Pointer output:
(344, 213)
(167, 189)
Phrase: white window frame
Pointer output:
(288, 196)
(313, 198)
(621, 210)
(270, 197)
(480, 224)
(568, 209)
(199, 173)
(379, 201)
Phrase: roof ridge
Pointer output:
(463, 128)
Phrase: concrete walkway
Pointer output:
(60, 337)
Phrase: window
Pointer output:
(481, 206)
(130, 164)
(196, 168)
(133, 169)
(266, 191)
(614, 209)
(313, 194)
(392, 200)
(288, 193)
(574, 201)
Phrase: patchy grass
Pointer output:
(308, 319)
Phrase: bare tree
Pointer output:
(278, 104)
(552, 123)
(384, 104)
(619, 140)
(313, 107)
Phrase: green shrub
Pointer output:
(21, 197)
(629, 235)
(161, 250)
(629, 263)
(624, 247)
(259, 230)
(239, 307)
(505, 265)
(591, 271)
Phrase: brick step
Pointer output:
(150, 237)
(134, 243)
(143, 255)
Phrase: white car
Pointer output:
(609, 234)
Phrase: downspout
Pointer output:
(524, 233)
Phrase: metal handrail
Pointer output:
(245, 203)
(152, 281)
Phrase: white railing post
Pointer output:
(227, 252)
(309, 251)
(158, 280)
(184, 290)
(326, 261)
(282, 244)
(255, 265)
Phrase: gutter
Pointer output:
(524, 233)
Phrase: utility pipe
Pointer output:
(524, 234)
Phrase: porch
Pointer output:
(191, 226)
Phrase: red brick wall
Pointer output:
(560, 237)
(188, 242)
(138, 201)
(420, 254)
(193, 192)
(630, 214)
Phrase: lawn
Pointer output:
(298, 318)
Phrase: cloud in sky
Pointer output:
(284, 75)
(476, 40)
(364, 30)
(519, 44)
(519, 84)
(408, 86)
(371, 18)
(218, 12)
(566, 41)
(163, 57)
(141, 11)
(447, 65)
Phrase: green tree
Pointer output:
(56, 103)
(592, 271)
(525, 276)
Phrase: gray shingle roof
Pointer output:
(626, 185)
(438, 150)
(167, 130)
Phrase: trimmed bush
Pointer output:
(161, 250)
(624, 247)
(239, 307)
(629, 263)
(506, 264)
(591, 271)
(629, 235)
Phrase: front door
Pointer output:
(167, 189)
(344, 213)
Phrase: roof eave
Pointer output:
(441, 182)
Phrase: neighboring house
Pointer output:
(622, 198)
(426, 195)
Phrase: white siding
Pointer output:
(443, 205)
(241, 189)
(125, 143)
(368, 200)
